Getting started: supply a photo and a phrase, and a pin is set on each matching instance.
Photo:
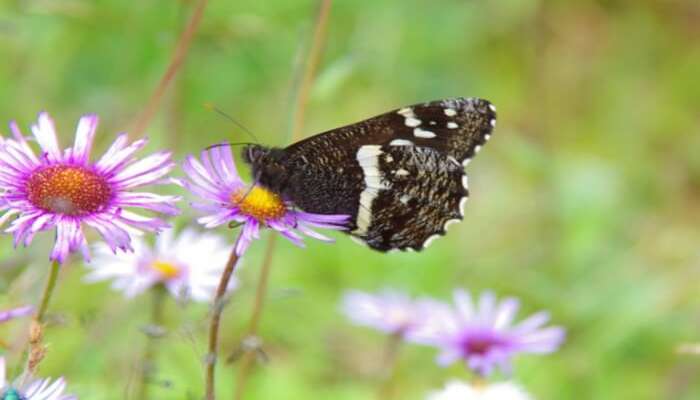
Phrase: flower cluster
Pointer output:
(62, 190)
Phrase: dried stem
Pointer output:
(217, 308)
(183, 45)
(148, 363)
(309, 73)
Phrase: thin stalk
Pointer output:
(37, 350)
(48, 292)
(181, 49)
(308, 75)
(387, 389)
(254, 323)
(217, 308)
(148, 364)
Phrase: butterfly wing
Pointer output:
(399, 175)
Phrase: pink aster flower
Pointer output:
(389, 311)
(63, 189)
(225, 198)
(189, 265)
(32, 389)
(456, 390)
(483, 335)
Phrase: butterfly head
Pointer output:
(267, 166)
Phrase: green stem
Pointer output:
(149, 355)
(48, 292)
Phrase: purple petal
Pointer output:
(45, 134)
(15, 313)
(84, 135)
(117, 156)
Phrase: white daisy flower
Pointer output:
(457, 390)
(35, 389)
(189, 266)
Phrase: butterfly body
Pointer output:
(399, 176)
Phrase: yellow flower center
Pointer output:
(167, 269)
(68, 189)
(259, 203)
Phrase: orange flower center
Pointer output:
(259, 203)
(167, 270)
(67, 189)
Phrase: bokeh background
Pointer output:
(586, 202)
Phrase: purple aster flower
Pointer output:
(32, 389)
(226, 198)
(189, 265)
(13, 313)
(63, 189)
(483, 335)
(389, 311)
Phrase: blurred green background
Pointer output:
(585, 203)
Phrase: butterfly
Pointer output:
(399, 176)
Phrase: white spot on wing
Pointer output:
(406, 112)
(452, 125)
(412, 122)
(401, 142)
(477, 148)
(465, 181)
(404, 199)
(450, 112)
(430, 240)
(492, 107)
(462, 204)
(418, 132)
(368, 158)
(432, 123)
(450, 222)
(358, 241)
(466, 162)
(487, 137)
(401, 172)
(389, 158)
(492, 122)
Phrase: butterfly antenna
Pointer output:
(229, 144)
(230, 118)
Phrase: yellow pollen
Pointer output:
(259, 203)
(68, 189)
(167, 269)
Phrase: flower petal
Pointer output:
(84, 135)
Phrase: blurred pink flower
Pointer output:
(389, 311)
(483, 335)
